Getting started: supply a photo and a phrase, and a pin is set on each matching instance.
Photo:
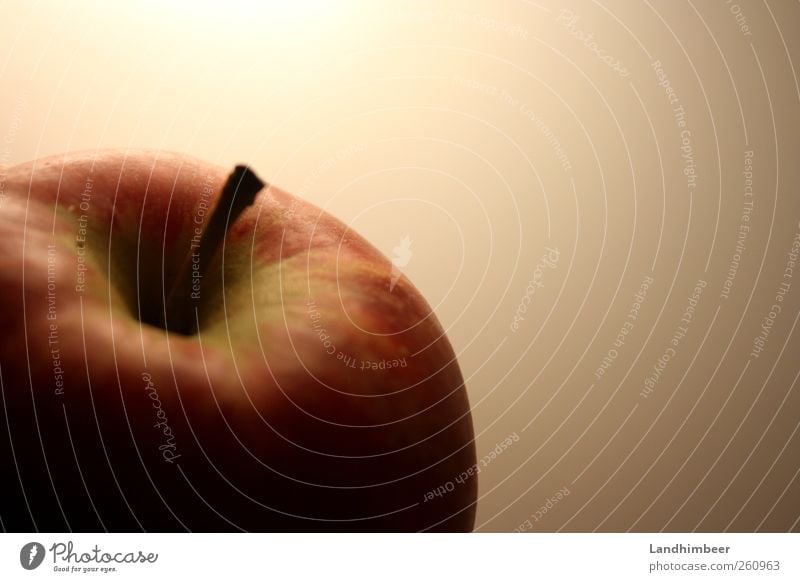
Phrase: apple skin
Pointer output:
(259, 422)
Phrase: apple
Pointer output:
(175, 359)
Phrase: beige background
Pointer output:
(487, 132)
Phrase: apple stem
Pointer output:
(180, 309)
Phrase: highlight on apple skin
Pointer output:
(311, 389)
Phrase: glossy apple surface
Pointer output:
(312, 398)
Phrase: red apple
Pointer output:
(310, 396)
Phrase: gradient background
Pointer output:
(487, 133)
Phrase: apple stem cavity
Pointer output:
(180, 309)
